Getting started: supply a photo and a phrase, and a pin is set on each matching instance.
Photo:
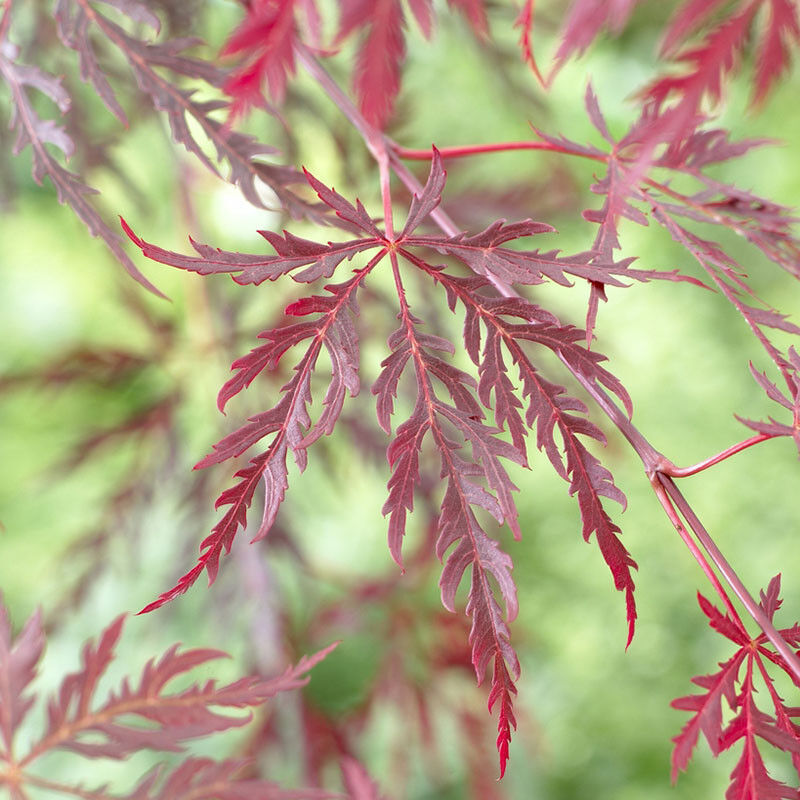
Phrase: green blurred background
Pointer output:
(88, 538)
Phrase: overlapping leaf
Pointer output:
(141, 714)
(76, 21)
(459, 527)
(201, 778)
(34, 132)
(547, 407)
(632, 194)
(586, 19)
(673, 101)
(789, 400)
(288, 422)
(266, 37)
(750, 724)
(779, 30)
(380, 24)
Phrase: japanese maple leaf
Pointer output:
(735, 684)
(636, 195)
(139, 714)
(187, 116)
(36, 132)
(780, 29)
(381, 26)
(585, 20)
(448, 413)
(789, 400)
(265, 39)
(673, 104)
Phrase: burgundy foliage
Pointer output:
(140, 714)
(454, 418)
(735, 683)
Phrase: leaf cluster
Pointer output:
(139, 714)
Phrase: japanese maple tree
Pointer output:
(456, 415)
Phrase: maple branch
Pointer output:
(660, 469)
(733, 580)
(652, 459)
(690, 543)
(335, 93)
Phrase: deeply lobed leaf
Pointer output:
(750, 724)
(454, 423)
(36, 132)
(137, 715)
(288, 420)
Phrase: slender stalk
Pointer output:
(334, 92)
(493, 147)
(653, 460)
(462, 151)
(690, 543)
(657, 468)
(753, 608)
(377, 147)
(684, 472)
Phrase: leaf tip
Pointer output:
(129, 233)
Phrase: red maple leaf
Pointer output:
(471, 451)
(750, 724)
(137, 715)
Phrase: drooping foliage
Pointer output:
(454, 416)
(141, 714)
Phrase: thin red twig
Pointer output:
(493, 147)
(684, 472)
(728, 572)
(690, 543)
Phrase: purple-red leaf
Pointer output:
(357, 781)
(429, 199)
(139, 714)
(265, 42)
(292, 253)
(18, 660)
(201, 778)
(288, 421)
(475, 12)
(749, 779)
(380, 56)
(356, 216)
(485, 256)
(585, 21)
(35, 132)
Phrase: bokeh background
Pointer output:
(107, 399)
